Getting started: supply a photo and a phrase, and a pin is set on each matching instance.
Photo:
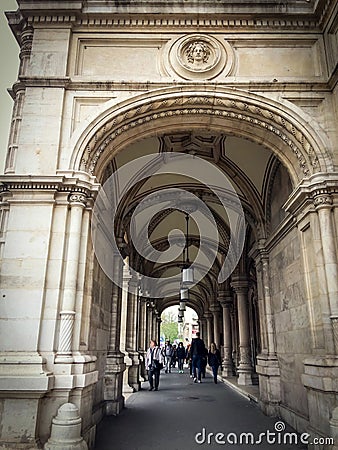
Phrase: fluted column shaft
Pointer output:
(67, 314)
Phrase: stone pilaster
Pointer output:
(67, 313)
(115, 366)
(131, 334)
(267, 363)
(203, 329)
(149, 323)
(208, 318)
(159, 321)
(323, 202)
(216, 310)
(244, 368)
(142, 329)
(126, 388)
(226, 301)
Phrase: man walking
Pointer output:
(168, 353)
(197, 351)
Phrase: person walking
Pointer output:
(188, 359)
(154, 364)
(180, 357)
(197, 351)
(168, 353)
(214, 360)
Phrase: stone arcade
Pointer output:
(250, 87)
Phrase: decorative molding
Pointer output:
(199, 57)
(153, 21)
(184, 104)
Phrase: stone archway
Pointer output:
(244, 114)
(269, 123)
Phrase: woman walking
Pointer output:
(214, 360)
(154, 364)
(180, 357)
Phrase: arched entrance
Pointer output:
(245, 313)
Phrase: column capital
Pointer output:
(322, 199)
(143, 300)
(240, 284)
(215, 308)
(77, 199)
(207, 315)
(225, 298)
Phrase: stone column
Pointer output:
(215, 309)
(142, 325)
(131, 335)
(267, 363)
(154, 324)
(159, 321)
(324, 204)
(149, 323)
(126, 387)
(115, 359)
(226, 300)
(244, 368)
(208, 317)
(203, 330)
(67, 314)
(142, 337)
(234, 334)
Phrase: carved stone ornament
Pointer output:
(200, 57)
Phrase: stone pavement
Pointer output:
(170, 419)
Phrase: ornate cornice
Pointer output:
(295, 16)
(74, 186)
(320, 190)
(178, 22)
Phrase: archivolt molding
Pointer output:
(248, 110)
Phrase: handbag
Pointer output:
(157, 364)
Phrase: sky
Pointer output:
(9, 57)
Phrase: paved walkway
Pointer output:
(171, 418)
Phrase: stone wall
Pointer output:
(293, 337)
(99, 329)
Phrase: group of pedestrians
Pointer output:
(196, 355)
(173, 354)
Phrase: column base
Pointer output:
(126, 387)
(269, 383)
(114, 400)
(133, 371)
(227, 372)
(244, 378)
(114, 407)
(18, 446)
(227, 368)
